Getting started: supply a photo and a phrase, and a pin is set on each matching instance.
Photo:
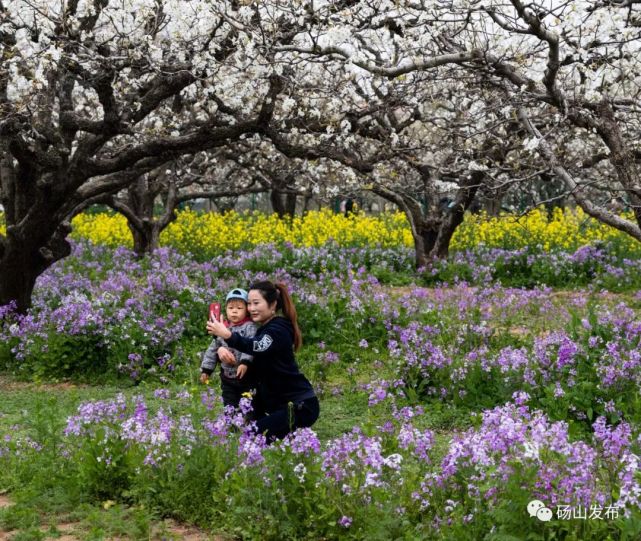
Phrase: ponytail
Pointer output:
(278, 292)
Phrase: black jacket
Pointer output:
(274, 364)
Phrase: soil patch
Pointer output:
(168, 530)
(173, 530)
(8, 383)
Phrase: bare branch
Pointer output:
(575, 189)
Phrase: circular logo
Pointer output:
(536, 508)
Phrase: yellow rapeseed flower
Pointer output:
(206, 234)
(563, 229)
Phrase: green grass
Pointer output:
(88, 522)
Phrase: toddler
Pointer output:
(234, 379)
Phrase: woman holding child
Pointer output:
(286, 399)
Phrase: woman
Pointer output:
(286, 399)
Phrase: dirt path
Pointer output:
(9, 383)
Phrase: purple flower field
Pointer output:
(445, 410)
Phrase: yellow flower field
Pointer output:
(566, 230)
(210, 233)
(213, 232)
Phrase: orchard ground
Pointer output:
(451, 397)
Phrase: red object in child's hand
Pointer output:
(214, 311)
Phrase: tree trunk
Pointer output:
(276, 199)
(146, 239)
(138, 208)
(290, 204)
(18, 271)
(441, 247)
(21, 263)
(420, 254)
(492, 206)
(424, 233)
(464, 198)
(429, 232)
(621, 157)
(306, 201)
(35, 238)
(598, 212)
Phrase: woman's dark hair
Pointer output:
(278, 292)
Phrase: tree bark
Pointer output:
(44, 183)
(146, 239)
(24, 257)
(429, 231)
(290, 204)
(621, 157)
(18, 271)
(278, 205)
(307, 199)
(422, 233)
(138, 208)
(492, 205)
(464, 198)
(433, 229)
(142, 195)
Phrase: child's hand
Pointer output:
(226, 356)
(204, 378)
(218, 328)
(241, 371)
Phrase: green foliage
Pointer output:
(447, 273)
(530, 268)
(105, 466)
(188, 488)
(15, 517)
(392, 276)
(67, 355)
(116, 522)
(6, 357)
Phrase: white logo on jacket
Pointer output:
(263, 344)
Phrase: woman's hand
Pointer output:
(226, 356)
(217, 328)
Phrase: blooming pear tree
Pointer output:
(150, 203)
(137, 203)
(591, 76)
(95, 94)
(569, 71)
(416, 100)
(571, 74)
(258, 162)
(409, 140)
